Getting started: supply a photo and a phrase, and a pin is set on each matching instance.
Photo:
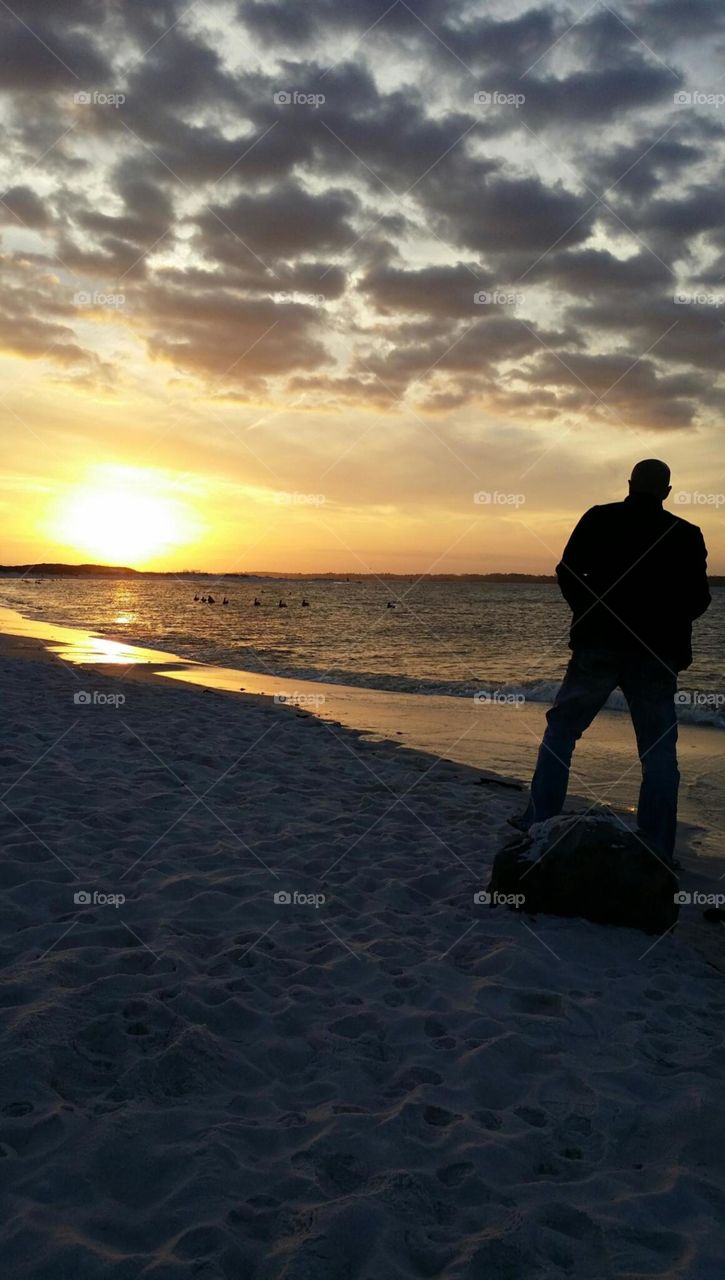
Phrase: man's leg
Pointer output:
(591, 676)
(649, 686)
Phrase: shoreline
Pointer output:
(495, 740)
(162, 669)
(297, 1047)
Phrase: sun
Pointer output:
(124, 516)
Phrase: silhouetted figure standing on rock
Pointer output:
(635, 577)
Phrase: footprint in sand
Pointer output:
(532, 1115)
(353, 1026)
(452, 1175)
(488, 1120)
(439, 1117)
(15, 1109)
(434, 1028)
(394, 999)
(412, 1078)
(429, 1249)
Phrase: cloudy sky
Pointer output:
(353, 284)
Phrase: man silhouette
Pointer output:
(635, 577)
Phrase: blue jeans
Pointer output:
(649, 686)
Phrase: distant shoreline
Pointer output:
(19, 571)
(122, 571)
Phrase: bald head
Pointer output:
(652, 477)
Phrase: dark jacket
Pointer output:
(635, 576)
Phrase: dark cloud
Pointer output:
(224, 337)
(366, 226)
(496, 214)
(277, 224)
(149, 214)
(422, 355)
(687, 332)
(597, 273)
(631, 389)
(37, 317)
(22, 205)
(278, 23)
(443, 291)
(183, 72)
(640, 169)
(322, 279)
(511, 45)
(604, 95)
(673, 220)
(670, 20)
(47, 56)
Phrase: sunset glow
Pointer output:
(375, 259)
(120, 518)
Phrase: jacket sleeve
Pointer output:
(575, 565)
(698, 590)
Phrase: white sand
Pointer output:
(393, 1084)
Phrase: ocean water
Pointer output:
(456, 638)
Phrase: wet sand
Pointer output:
(366, 1076)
